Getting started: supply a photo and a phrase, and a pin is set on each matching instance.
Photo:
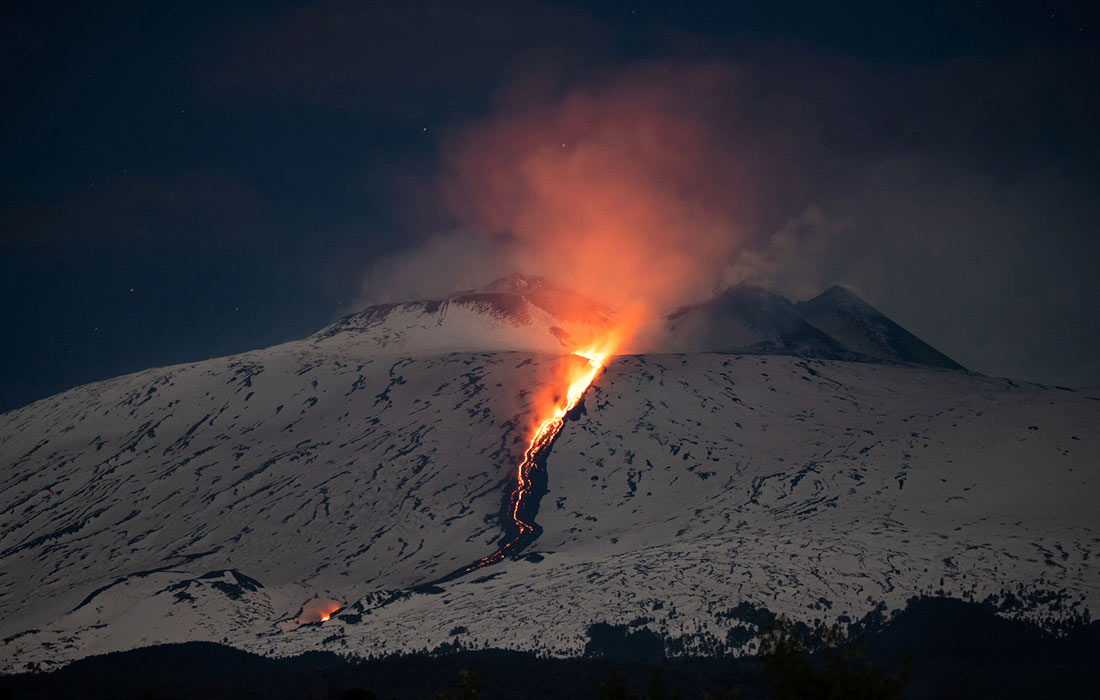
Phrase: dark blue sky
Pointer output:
(182, 180)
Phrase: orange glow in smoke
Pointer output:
(629, 189)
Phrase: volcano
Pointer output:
(812, 458)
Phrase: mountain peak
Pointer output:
(748, 319)
(747, 289)
(860, 327)
(515, 284)
(836, 324)
(839, 295)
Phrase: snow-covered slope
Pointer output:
(239, 499)
(295, 468)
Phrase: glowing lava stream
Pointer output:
(520, 532)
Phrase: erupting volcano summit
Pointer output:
(813, 458)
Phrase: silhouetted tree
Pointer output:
(657, 687)
(468, 685)
(614, 688)
(732, 695)
(822, 663)
(336, 693)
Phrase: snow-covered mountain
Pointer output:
(835, 325)
(529, 313)
(241, 499)
(748, 319)
(512, 313)
(861, 328)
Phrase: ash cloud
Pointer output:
(949, 195)
(627, 189)
(799, 259)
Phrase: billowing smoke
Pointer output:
(664, 183)
(624, 190)
(801, 258)
(628, 190)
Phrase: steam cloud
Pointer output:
(625, 190)
(664, 183)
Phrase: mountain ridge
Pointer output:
(835, 325)
(519, 312)
(245, 498)
(515, 312)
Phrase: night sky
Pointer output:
(186, 180)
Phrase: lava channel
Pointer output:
(521, 506)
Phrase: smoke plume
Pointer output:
(659, 185)
(627, 189)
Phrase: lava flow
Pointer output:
(317, 610)
(523, 500)
(544, 435)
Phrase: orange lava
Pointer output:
(327, 613)
(578, 379)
